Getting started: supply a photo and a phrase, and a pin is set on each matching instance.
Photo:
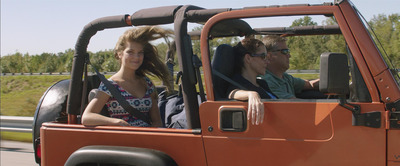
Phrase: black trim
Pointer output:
(119, 155)
(155, 16)
(233, 119)
(393, 107)
(395, 120)
(184, 53)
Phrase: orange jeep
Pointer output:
(355, 122)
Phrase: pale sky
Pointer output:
(52, 26)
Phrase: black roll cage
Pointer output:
(179, 16)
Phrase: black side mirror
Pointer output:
(334, 74)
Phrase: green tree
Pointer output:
(50, 63)
(305, 49)
(213, 44)
(334, 43)
(65, 60)
(387, 28)
(13, 63)
(110, 64)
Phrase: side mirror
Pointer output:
(334, 74)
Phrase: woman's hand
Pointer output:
(120, 122)
(255, 111)
(255, 108)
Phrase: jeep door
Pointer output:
(297, 131)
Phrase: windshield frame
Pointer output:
(381, 49)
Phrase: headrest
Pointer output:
(224, 60)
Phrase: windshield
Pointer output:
(383, 30)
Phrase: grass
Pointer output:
(16, 136)
(306, 76)
(21, 94)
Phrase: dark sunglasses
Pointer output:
(262, 55)
(283, 51)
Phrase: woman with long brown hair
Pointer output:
(138, 58)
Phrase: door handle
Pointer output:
(232, 118)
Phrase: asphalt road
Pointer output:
(16, 154)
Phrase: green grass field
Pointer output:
(21, 94)
(15, 136)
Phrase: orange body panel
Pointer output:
(393, 155)
(295, 134)
(59, 141)
(388, 88)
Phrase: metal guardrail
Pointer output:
(16, 124)
(46, 74)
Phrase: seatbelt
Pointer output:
(217, 73)
(121, 100)
(197, 64)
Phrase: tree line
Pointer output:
(304, 50)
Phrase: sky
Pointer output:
(53, 26)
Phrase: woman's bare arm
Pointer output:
(255, 106)
(91, 116)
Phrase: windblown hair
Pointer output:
(246, 46)
(270, 41)
(152, 63)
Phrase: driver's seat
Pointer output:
(223, 62)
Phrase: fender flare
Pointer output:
(119, 155)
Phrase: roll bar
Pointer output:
(152, 16)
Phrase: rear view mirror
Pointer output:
(334, 74)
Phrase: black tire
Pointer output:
(118, 156)
(51, 107)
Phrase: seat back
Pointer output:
(223, 62)
(91, 95)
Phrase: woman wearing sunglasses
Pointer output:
(284, 85)
(251, 61)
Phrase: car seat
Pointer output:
(223, 62)
(91, 95)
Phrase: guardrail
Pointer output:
(55, 74)
(16, 124)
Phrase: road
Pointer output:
(16, 154)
